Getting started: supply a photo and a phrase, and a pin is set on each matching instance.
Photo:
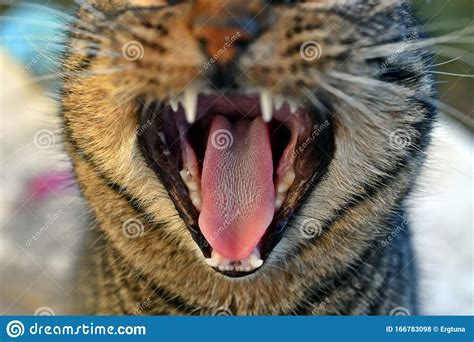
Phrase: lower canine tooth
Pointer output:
(212, 262)
(196, 200)
(278, 202)
(286, 182)
(255, 262)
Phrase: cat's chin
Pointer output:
(237, 167)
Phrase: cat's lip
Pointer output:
(175, 150)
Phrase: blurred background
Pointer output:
(42, 217)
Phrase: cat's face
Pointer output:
(254, 134)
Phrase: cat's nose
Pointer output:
(224, 28)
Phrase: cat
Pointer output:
(247, 158)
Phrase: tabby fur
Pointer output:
(369, 80)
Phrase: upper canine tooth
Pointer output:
(190, 101)
(266, 105)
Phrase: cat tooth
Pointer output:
(184, 175)
(278, 102)
(279, 201)
(196, 200)
(212, 262)
(286, 182)
(266, 105)
(174, 103)
(190, 101)
(283, 188)
(251, 263)
(293, 105)
(255, 261)
(256, 252)
(192, 185)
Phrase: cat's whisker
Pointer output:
(94, 11)
(60, 74)
(453, 74)
(371, 116)
(59, 23)
(32, 21)
(452, 52)
(370, 82)
(88, 34)
(38, 6)
(87, 50)
(396, 88)
(315, 101)
(63, 44)
(448, 25)
(447, 62)
(101, 17)
(384, 50)
(457, 114)
(55, 40)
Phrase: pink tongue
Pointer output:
(237, 187)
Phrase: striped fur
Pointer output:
(371, 93)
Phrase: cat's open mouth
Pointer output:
(236, 166)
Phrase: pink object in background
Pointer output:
(45, 185)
